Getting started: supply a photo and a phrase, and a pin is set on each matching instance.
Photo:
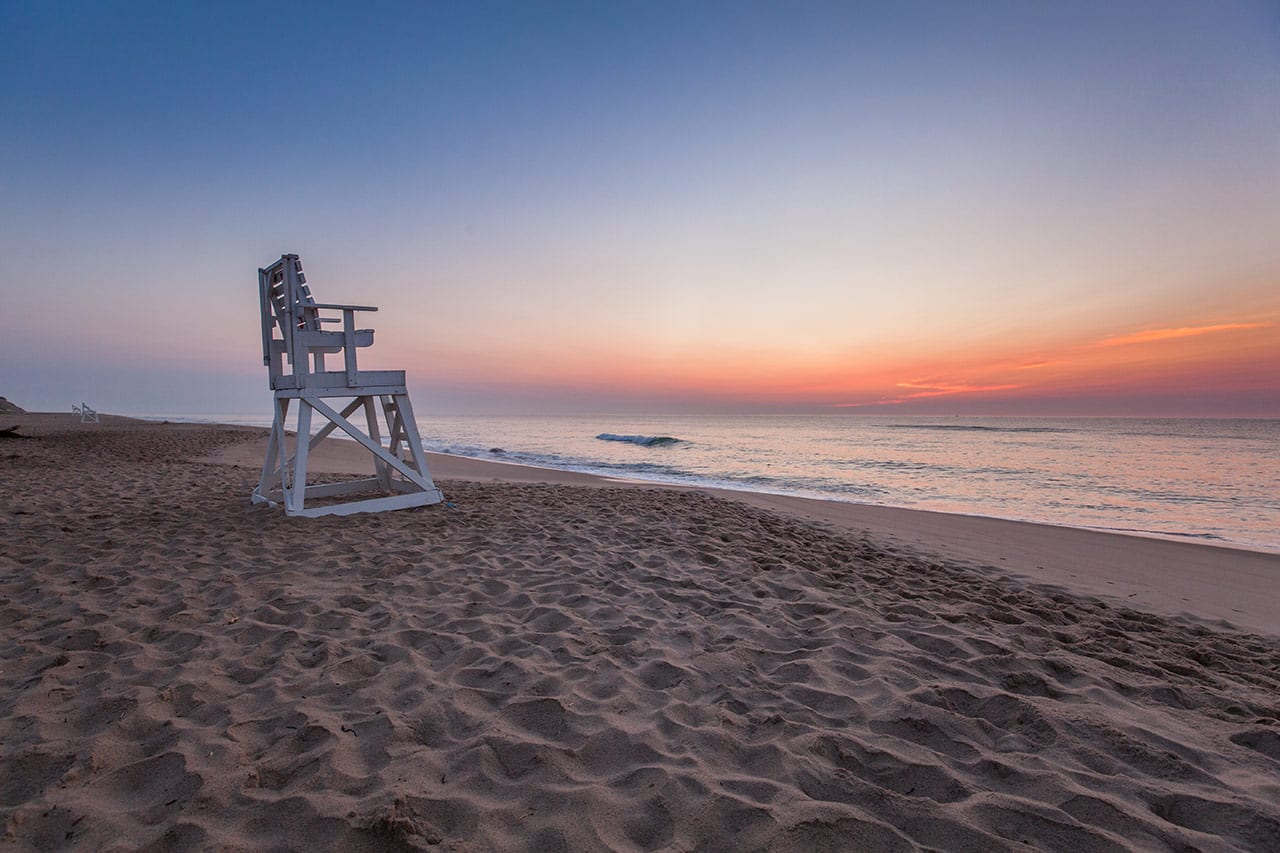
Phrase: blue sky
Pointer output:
(583, 207)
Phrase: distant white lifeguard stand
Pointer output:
(87, 415)
(294, 346)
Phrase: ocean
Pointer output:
(1210, 480)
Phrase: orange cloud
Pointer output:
(940, 389)
(929, 388)
(1184, 332)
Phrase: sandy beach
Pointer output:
(562, 662)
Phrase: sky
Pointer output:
(925, 208)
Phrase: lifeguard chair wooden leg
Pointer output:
(275, 466)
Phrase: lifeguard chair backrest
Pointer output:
(287, 297)
(278, 286)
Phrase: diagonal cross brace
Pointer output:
(368, 443)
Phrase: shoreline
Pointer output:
(1245, 540)
(1199, 539)
(1222, 585)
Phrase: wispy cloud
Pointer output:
(928, 388)
(937, 388)
(1152, 335)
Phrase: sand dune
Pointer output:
(570, 667)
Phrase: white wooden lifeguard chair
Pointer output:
(294, 346)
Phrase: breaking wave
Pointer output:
(642, 440)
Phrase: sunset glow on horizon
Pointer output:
(1242, 360)
(749, 207)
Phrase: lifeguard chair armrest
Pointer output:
(332, 307)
